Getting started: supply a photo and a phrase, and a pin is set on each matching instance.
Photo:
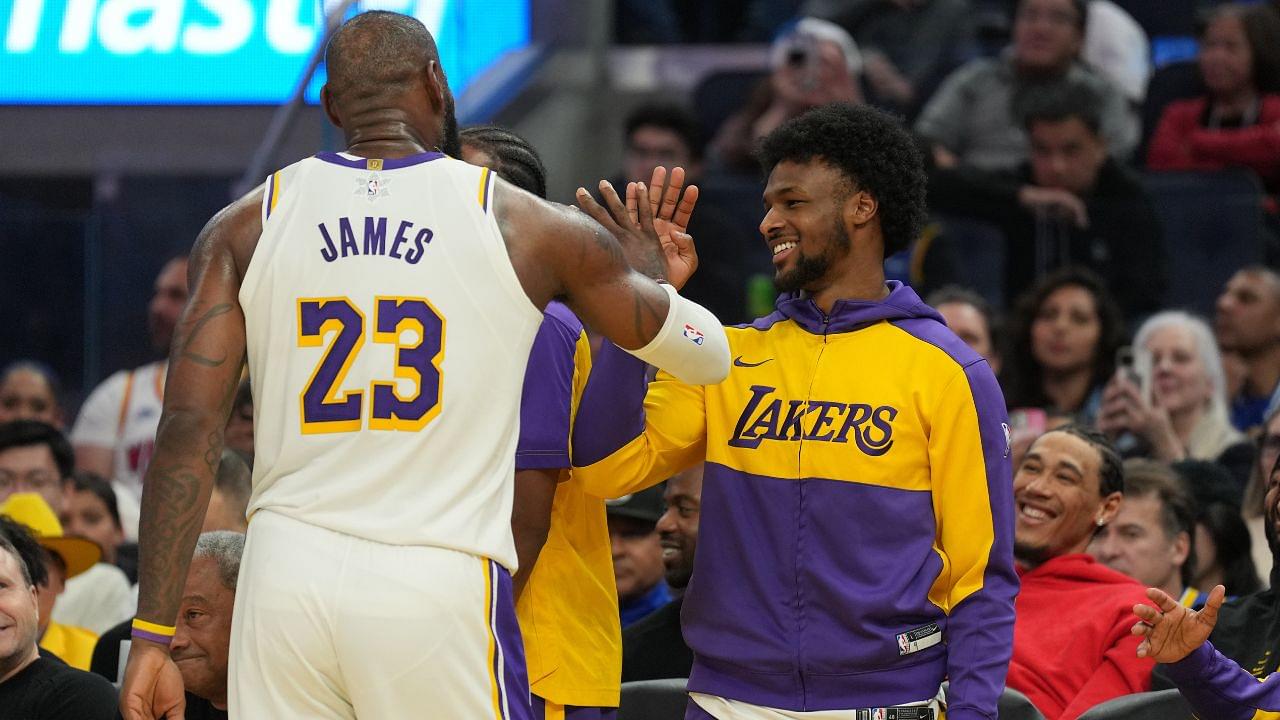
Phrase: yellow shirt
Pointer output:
(72, 644)
(568, 611)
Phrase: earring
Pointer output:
(1101, 522)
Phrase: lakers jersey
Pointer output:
(387, 338)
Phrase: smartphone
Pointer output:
(1126, 365)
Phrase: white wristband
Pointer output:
(691, 344)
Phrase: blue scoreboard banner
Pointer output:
(206, 52)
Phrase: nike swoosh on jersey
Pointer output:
(743, 363)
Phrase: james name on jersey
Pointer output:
(374, 240)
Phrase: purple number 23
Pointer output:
(325, 408)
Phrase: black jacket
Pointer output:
(1124, 242)
(654, 648)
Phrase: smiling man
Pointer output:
(654, 648)
(1071, 643)
(200, 645)
(855, 537)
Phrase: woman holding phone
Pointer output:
(1174, 402)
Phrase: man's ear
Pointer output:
(326, 100)
(1181, 548)
(860, 208)
(1110, 506)
(434, 81)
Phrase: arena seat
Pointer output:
(1212, 227)
(653, 700)
(1162, 705)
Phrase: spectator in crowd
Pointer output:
(1063, 339)
(1237, 121)
(1226, 555)
(1150, 538)
(30, 391)
(203, 635)
(101, 596)
(572, 641)
(1071, 203)
(34, 687)
(814, 64)
(971, 318)
(116, 429)
(908, 45)
(1247, 324)
(35, 457)
(239, 435)
(976, 116)
(1223, 547)
(229, 501)
(25, 515)
(637, 554)
(654, 648)
(1071, 643)
(90, 512)
(1253, 503)
(667, 135)
(1178, 409)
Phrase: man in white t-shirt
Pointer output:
(116, 429)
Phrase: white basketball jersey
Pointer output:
(387, 339)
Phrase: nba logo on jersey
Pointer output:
(877, 714)
(373, 187)
(693, 333)
(904, 644)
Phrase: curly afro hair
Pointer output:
(872, 149)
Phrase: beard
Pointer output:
(1269, 520)
(450, 142)
(1030, 555)
(811, 269)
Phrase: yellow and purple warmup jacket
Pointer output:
(855, 546)
(1218, 688)
(568, 611)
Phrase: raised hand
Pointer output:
(1172, 632)
(152, 684)
(639, 241)
(671, 212)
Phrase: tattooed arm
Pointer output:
(204, 371)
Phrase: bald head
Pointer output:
(383, 64)
(378, 52)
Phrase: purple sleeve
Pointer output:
(981, 625)
(546, 404)
(611, 412)
(1218, 688)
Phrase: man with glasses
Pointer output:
(34, 457)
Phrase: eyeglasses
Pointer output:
(33, 481)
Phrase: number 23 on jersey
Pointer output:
(326, 407)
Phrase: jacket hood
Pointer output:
(1077, 568)
(902, 303)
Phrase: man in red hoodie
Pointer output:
(1072, 648)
